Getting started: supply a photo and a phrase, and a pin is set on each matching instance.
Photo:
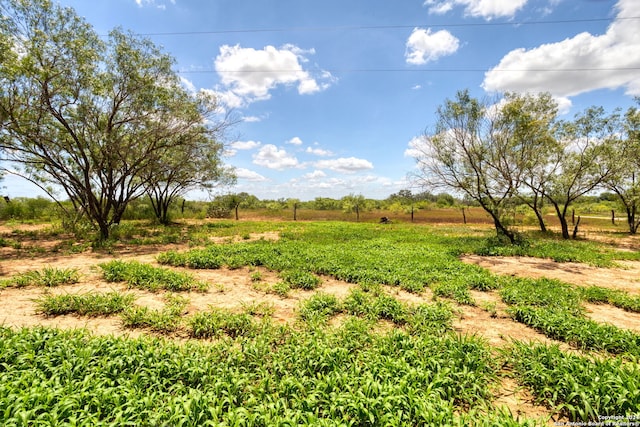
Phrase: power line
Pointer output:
(416, 70)
(382, 27)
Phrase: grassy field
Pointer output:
(382, 351)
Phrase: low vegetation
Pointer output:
(367, 357)
(145, 276)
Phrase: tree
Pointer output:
(354, 203)
(194, 163)
(531, 152)
(582, 161)
(90, 117)
(464, 154)
(624, 182)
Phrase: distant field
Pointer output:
(324, 322)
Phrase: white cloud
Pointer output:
(345, 164)
(576, 65)
(272, 157)
(251, 119)
(245, 145)
(486, 9)
(249, 175)
(318, 151)
(417, 148)
(159, 4)
(425, 46)
(316, 174)
(295, 141)
(250, 75)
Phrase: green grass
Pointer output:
(578, 387)
(279, 377)
(385, 363)
(166, 320)
(145, 276)
(89, 304)
(47, 277)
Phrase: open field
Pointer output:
(321, 323)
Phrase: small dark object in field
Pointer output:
(385, 220)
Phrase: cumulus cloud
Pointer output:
(249, 75)
(416, 148)
(295, 141)
(249, 175)
(345, 164)
(576, 65)
(426, 46)
(316, 174)
(486, 9)
(318, 151)
(245, 145)
(272, 157)
(157, 3)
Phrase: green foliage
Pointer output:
(580, 388)
(300, 279)
(280, 377)
(614, 297)
(48, 277)
(166, 320)
(434, 318)
(579, 331)
(90, 304)
(145, 276)
(319, 306)
(217, 322)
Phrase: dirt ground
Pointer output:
(234, 289)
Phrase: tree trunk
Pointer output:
(563, 221)
(295, 209)
(543, 226)
(103, 227)
(575, 229)
(236, 209)
(631, 219)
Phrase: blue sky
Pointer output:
(332, 93)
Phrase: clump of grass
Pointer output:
(300, 279)
(90, 304)
(375, 305)
(47, 277)
(145, 276)
(319, 306)
(217, 322)
(454, 289)
(260, 309)
(580, 388)
(620, 299)
(166, 320)
(281, 289)
(434, 318)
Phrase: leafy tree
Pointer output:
(581, 162)
(406, 201)
(531, 152)
(354, 203)
(194, 162)
(624, 158)
(88, 116)
(464, 154)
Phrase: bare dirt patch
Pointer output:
(604, 313)
(491, 321)
(625, 279)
